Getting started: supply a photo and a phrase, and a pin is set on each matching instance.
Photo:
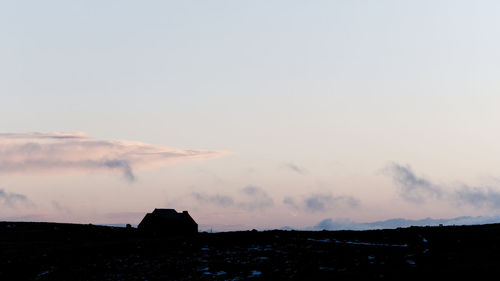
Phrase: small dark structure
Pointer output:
(169, 221)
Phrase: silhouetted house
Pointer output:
(168, 221)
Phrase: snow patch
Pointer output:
(370, 244)
(255, 273)
(319, 240)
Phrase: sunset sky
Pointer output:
(249, 114)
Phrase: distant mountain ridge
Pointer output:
(330, 224)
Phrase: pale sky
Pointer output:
(249, 114)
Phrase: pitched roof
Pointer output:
(166, 212)
(171, 215)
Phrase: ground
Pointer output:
(50, 251)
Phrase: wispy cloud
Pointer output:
(54, 152)
(61, 209)
(295, 168)
(418, 190)
(477, 197)
(412, 187)
(256, 198)
(321, 202)
(215, 199)
(12, 200)
(291, 202)
(250, 198)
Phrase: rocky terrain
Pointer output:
(51, 251)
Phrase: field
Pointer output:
(52, 251)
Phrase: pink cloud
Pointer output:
(55, 152)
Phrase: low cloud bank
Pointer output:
(330, 224)
(250, 198)
(417, 189)
(412, 187)
(477, 197)
(214, 199)
(320, 202)
(12, 200)
(56, 152)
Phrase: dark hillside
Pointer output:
(51, 251)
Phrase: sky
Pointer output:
(249, 114)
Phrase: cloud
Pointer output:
(256, 198)
(61, 209)
(216, 199)
(411, 187)
(294, 168)
(418, 190)
(12, 200)
(251, 198)
(344, 224)
(57, 152)
(477, 197)
(290, 202)
(321, 202)
(122, 165)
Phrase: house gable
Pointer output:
(169, 221)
